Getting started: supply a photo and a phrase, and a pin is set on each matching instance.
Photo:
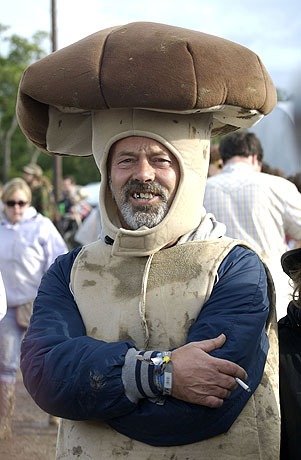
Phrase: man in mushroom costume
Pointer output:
(137, 339)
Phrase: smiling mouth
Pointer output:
(143, 195)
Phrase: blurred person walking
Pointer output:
(41, 190)
(29, 244)
(261, 209)
(73, 209)
(69, 190)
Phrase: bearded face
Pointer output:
(143, 179)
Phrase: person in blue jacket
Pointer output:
(78, 373)
(153, 341)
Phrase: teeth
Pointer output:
(143, 196)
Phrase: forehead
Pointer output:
(137, 145)
(17, 193)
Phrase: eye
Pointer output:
(162, 162)
(126, 161)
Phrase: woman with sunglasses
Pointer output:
(29, 244)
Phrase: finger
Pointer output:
(231, 369)
(230, 383)
(220, 393)
(211, 391)
(211, 401)
(212, 344)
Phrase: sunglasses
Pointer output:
(12, 203)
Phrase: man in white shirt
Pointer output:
(259, 208)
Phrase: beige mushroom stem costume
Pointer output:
(179, 87)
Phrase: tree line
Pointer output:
(16, 54)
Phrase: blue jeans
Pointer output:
(10, 342)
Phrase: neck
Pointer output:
(251, 160)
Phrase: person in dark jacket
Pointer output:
(290, 362)
(153, 341)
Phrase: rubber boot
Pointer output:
(7, 405)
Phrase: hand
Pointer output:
(203, 379)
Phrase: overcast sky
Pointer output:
(270, 28)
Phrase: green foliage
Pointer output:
(84, 169)
(16, 54)
(19, 54)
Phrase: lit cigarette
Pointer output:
(243, 384)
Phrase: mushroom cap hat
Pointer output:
(174, 85)
(143, 65)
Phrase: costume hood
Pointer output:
(188, 139)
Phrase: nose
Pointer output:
(144, 171)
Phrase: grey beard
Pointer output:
(148, 216)
(140, 216)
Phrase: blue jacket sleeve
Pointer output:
(86, 383)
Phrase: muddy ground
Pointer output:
(33, 437)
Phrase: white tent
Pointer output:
(277, 135)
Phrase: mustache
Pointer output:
(151, 187)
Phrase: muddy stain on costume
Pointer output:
(77, 451)
(124, 334)
(88, 283)
(129, 277)
(123, 450)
